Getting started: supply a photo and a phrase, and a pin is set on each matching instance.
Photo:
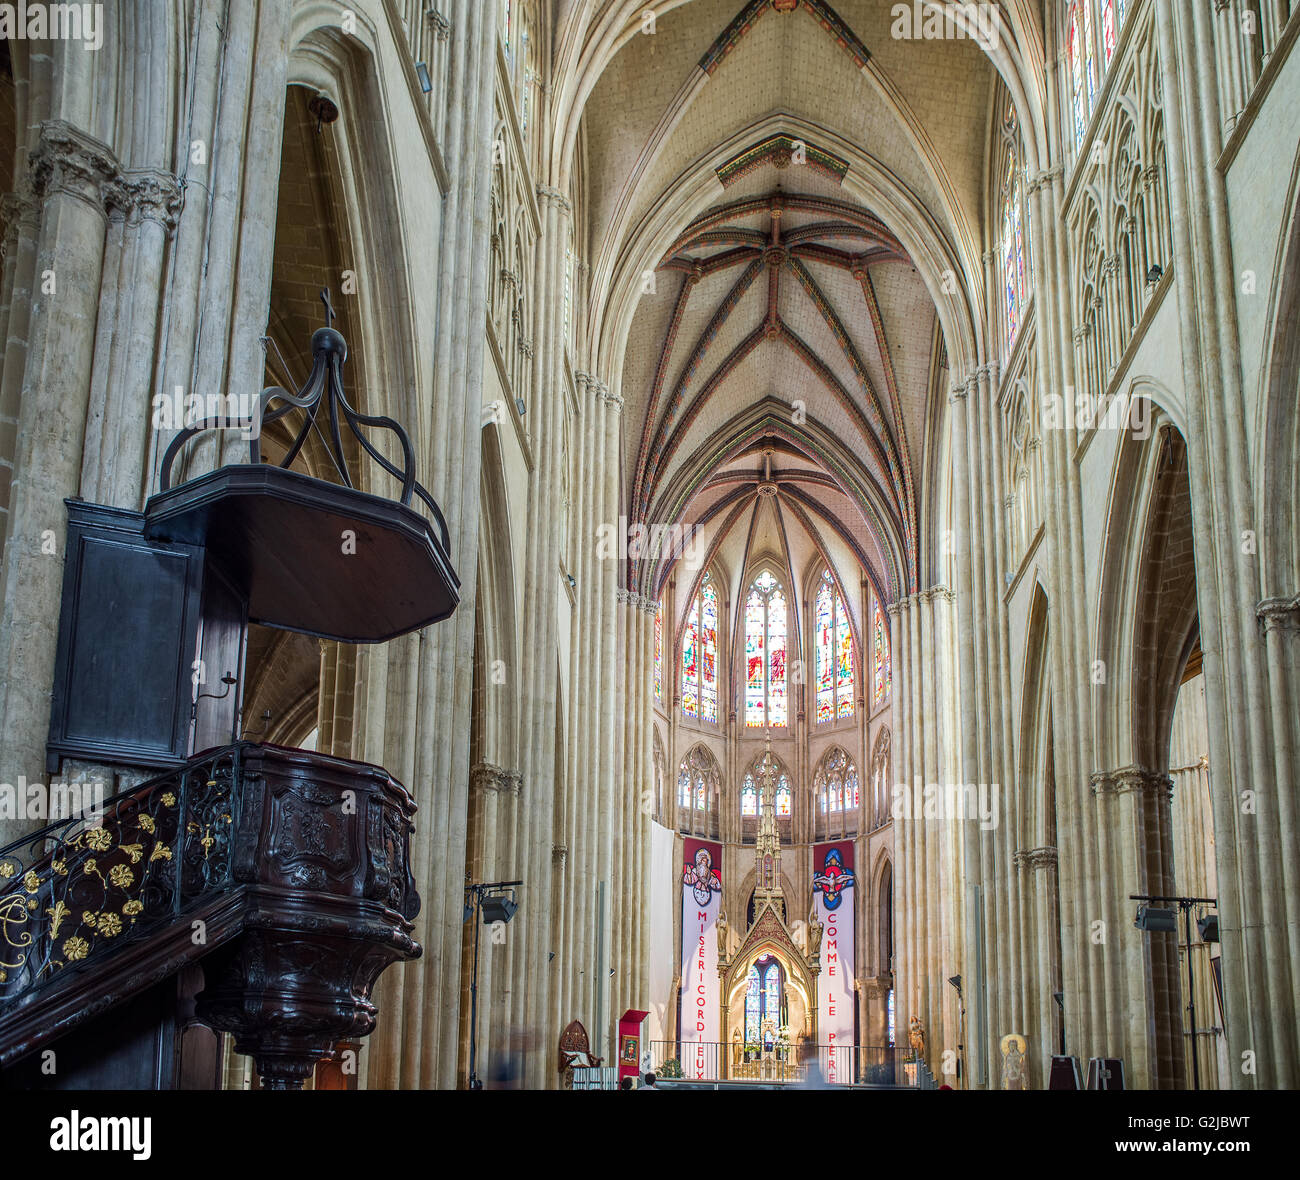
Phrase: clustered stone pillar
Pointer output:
(927, 852)
(633, 977)
(1250, 714)
(414, 696)
(73, 180)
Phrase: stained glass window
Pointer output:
(1091, 38)
(700, 655)
(1015, 242)
(709, 651)
(766, 630)
(784, 797)
(764, 1002)
(659, 653)
(833, 643)
(1074, 52)
(836, 783)
(697, 781)
(749, 797)
(880, 644)
(1089, 53)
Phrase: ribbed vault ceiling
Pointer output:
(778, 377)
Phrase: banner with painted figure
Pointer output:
(833, 891)
(701, 1005)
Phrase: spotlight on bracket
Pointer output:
(1209, 927)
(1155, 920)
(498, 908)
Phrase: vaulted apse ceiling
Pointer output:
(780, 378)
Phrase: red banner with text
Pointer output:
(701, 1012)
(833, 891)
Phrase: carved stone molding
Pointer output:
(960, 390)
(69, 162)
(559, 853)
(18, 211)
(637, 601)
(1280, 614)
(1036, 858)
(150, 194)
(1042, 179)
(1132, 780)
(547, 195)
(441, 25)
(487, 777)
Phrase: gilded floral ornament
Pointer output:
(75, 948)
(160, 852)
(7, 869)
(99, 840)
(169, 800)
(58, 912)
(133, 907)
(147, 823)
(110, 925)
(31, 882)
(120, 876)
(134, 851)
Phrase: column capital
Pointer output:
(18, 211)
(1044, 178)
(636, 601)
(559, 853)
(68, 161)
(553, 197)
(1280, 614)
(487, 777)
(152, 195)
(960, 388)
(1036, 858)
(441, 25)
(1132, 780)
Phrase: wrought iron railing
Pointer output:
(714, 1061)
(81, 888)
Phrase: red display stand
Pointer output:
(630, 1040)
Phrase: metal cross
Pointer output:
(329, 307)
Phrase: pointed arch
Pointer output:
(699, 789)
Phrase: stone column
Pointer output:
(144, 210)
(21, 213)
(1261, 953)
(71, 177)
(421, 722)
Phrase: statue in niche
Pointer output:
(916, 1036)
(814, 936)
(1013, 1062)
(723, 927)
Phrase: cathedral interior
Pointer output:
(552, 541)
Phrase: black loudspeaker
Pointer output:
(1105, 1073)
(1065, 1074)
